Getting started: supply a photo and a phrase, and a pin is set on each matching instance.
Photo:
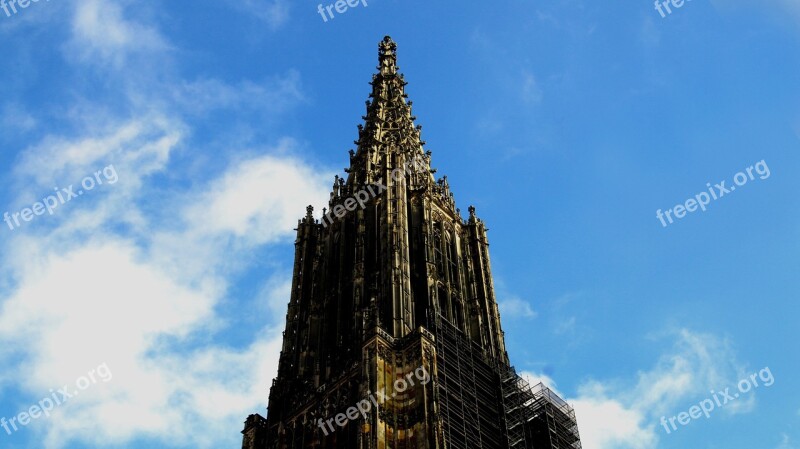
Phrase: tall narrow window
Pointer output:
(452, 260)
(437, 249)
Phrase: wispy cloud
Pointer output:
(136, 298)
(102, 34)
(513, 307)
(624, 414)
(273, 12)
(786, 443)
(790, 7)
(135, 277)
(276, 94)
(531, 92)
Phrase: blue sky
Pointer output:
(213, 124)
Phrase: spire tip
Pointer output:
(387, 56)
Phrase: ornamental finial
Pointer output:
(387, 56)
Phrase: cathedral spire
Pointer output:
(389, 127)
(397, 285)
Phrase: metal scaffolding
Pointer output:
(484, 404)
(536, 417)
(467, 391)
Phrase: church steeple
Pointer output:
(391, 284)
(389, 126)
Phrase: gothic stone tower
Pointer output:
(393, 308)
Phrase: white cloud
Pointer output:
(275, 296)
(78, 302)
(209, 94)
(618, 415)
(258, 198)
(608, 424)
(273, 12)
(534, 379)
(696, 364)
(142, 144)
(102, 304)
(134, 276)
(604, 423)
(102, 34)
(125, 301)
(786, 443)
(514, 307)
